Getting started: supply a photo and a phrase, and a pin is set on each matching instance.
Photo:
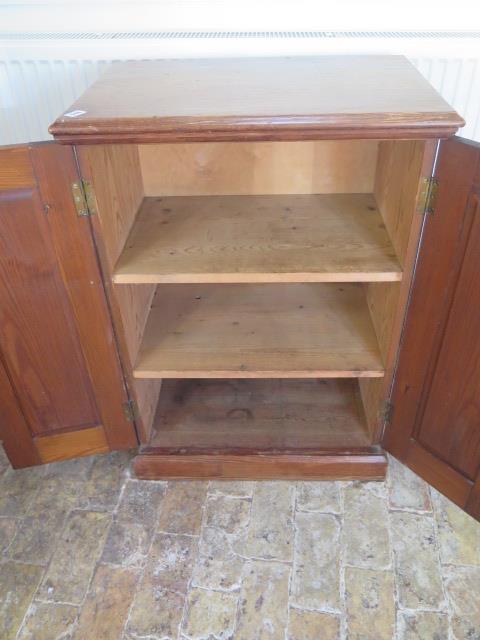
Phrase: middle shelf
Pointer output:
(259, 331)
(249, 239)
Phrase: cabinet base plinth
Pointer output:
(368, 465)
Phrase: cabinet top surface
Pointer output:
(258, 99)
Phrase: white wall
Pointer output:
(269, 15)
(41, 74)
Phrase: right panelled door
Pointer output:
(434, 426)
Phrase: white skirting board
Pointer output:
(42, 74)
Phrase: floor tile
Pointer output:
(170, 561)
(102, 489)
(217, 566)
(127, 544)
(76, 470)
(462, 585)
(416, 561)
(182, 507)
(365, 533)
(4, 462)
(370, 604)
(49, 621)
(18, 583)
(8, 528)
(56, 495)
(227, 513)
(18, 489)
(82, 539)
(39, 530)
(155, 612)
(312, 625)
(159, 601)
(459, 534)
(105, 611)
(210, 614)
(140, 502)
(316, 573)
(318, 496)
(405, 489)
(239, 488)
(36, 538)
(422, 625)
(270, 532)
(263, 606)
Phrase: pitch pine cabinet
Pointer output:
(256, 224)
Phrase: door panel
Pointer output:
(435, 425)
(451, 421)
(56, 340)
(38, 336)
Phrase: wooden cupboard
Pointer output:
(257, 224)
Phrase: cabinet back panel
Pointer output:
(257, 168)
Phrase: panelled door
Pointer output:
(435, 422)
(61, 384)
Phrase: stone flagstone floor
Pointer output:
(90, 553)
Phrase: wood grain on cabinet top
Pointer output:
(258, 99)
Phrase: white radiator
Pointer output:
(42, 74)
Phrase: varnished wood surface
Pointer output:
(295, 238)
(75, 252)
(258, 168)
(259, 331)
(258, 98)
(259, 415)
(15, 434)
(72, 444)
(60, 373)
(264, 466)
(436, 395)
(37, 322)
(15, 168)
(451, 425)
(401, 166)
(114, 172)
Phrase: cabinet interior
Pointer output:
(264, 282)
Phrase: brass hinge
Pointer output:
(84, 198)
(428, 195)
(387, 412)
(130, 410)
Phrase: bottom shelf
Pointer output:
(258, 429)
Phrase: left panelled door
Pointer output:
(62, 392)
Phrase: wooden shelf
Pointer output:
(261, 429)
(235, 239)
(259, 415)
(259, 331)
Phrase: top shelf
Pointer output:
(298, 98)
(247, 239)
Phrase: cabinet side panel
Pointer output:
(256, 168)
(401, 167)
(114, 172)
